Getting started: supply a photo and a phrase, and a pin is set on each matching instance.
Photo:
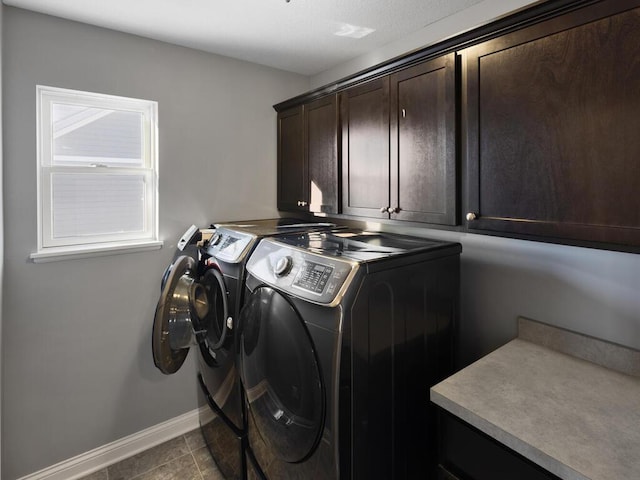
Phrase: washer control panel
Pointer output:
(301, 273)
(230, 245)
(313, 276)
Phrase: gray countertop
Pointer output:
(574, 418)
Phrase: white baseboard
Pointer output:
(101, 457)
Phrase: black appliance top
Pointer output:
(273, 226)
(233, 242)
(360, 245)
(321, 266)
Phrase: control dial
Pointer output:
(215, 239)
(283, 266)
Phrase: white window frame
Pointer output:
(50, 248)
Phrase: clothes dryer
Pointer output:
(341, 335)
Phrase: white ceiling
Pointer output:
(295, 35)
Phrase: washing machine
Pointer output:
(198, 307)
(341, 335)
(192, 312)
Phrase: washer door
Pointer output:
(281, 375)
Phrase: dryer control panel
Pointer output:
(229, 245)
(301, 273)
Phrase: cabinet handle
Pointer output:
(404, 113)
(302, 203)
(471, 216)
(393, 210)
(384, 209)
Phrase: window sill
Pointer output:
(56, 254)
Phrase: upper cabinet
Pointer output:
(364, 119)
(553, 143)
(423, 142)
(398, 144)
(308, 157)
(321, 153)
(532, 120)
(292, 185)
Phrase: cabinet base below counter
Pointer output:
(465, 453)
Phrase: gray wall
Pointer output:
(585, 290)
(78, 371)
(1, 233)
(590, 291)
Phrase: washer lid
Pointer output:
(182, 302)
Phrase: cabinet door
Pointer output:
(364, 116)
(472, 454)
(423, 142)
(321, 144)
(553, 147)
(292, 174)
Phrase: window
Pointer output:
(97, 173)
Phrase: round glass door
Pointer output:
(182, 301)
(281, 375)
(190, 311)
(214, 335)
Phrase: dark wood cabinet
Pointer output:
(308, 157)
(532, 119)
(423, 142)
(399, 146)
(553, 148)
(364, 119)
(321, 154)
(465, 453)
(292, 185)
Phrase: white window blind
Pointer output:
(97, 170)
(79, 211)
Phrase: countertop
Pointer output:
(575, 418)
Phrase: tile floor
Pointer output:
(183, 458)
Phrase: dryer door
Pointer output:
(281, 375)
(189, 313)
(215, 336)
(183, 302)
